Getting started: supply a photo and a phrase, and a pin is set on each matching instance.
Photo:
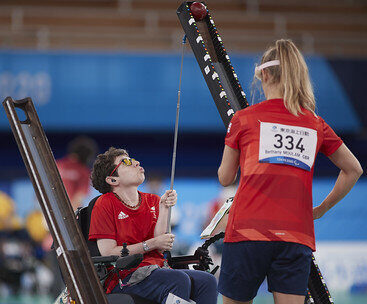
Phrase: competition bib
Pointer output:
(287, 145)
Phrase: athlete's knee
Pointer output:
(180, 284)
(211, 281)
(204, 289)
(205, 280)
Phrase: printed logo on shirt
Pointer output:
(122, 216)
(152, 210)
(229, 127)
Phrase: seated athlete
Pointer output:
(125, 215)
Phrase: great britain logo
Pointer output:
(152, 210)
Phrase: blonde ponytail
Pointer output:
(292, 76)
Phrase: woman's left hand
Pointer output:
(169, 198)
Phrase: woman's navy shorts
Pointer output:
(246, 264)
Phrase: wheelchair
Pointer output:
(200, 259)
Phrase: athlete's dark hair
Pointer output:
(103, 166)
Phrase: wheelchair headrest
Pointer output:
(83, 218)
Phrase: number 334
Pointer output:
(289, 142)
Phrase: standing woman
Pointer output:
(270, 231)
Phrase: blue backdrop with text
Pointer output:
(122, 91)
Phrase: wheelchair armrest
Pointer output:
(201, 258)
(183, 261)
(105, 259)
(128, 262)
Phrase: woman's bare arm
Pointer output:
(228, 169)
(350, 171)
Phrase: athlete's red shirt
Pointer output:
(274, 200)
(112, 220)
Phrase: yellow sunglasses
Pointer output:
(125, 162)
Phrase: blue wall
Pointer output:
(121, 91)
(346, 221)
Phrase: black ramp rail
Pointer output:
(317, 290)
(214, 63)
(227, 93)
(72, 254)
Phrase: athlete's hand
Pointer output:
(169, 198)
(318, 212)
(164, 241)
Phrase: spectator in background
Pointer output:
(75, 174)
(8, 219)
(17, 252)
(74, 168)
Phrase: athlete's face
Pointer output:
(129, 171)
